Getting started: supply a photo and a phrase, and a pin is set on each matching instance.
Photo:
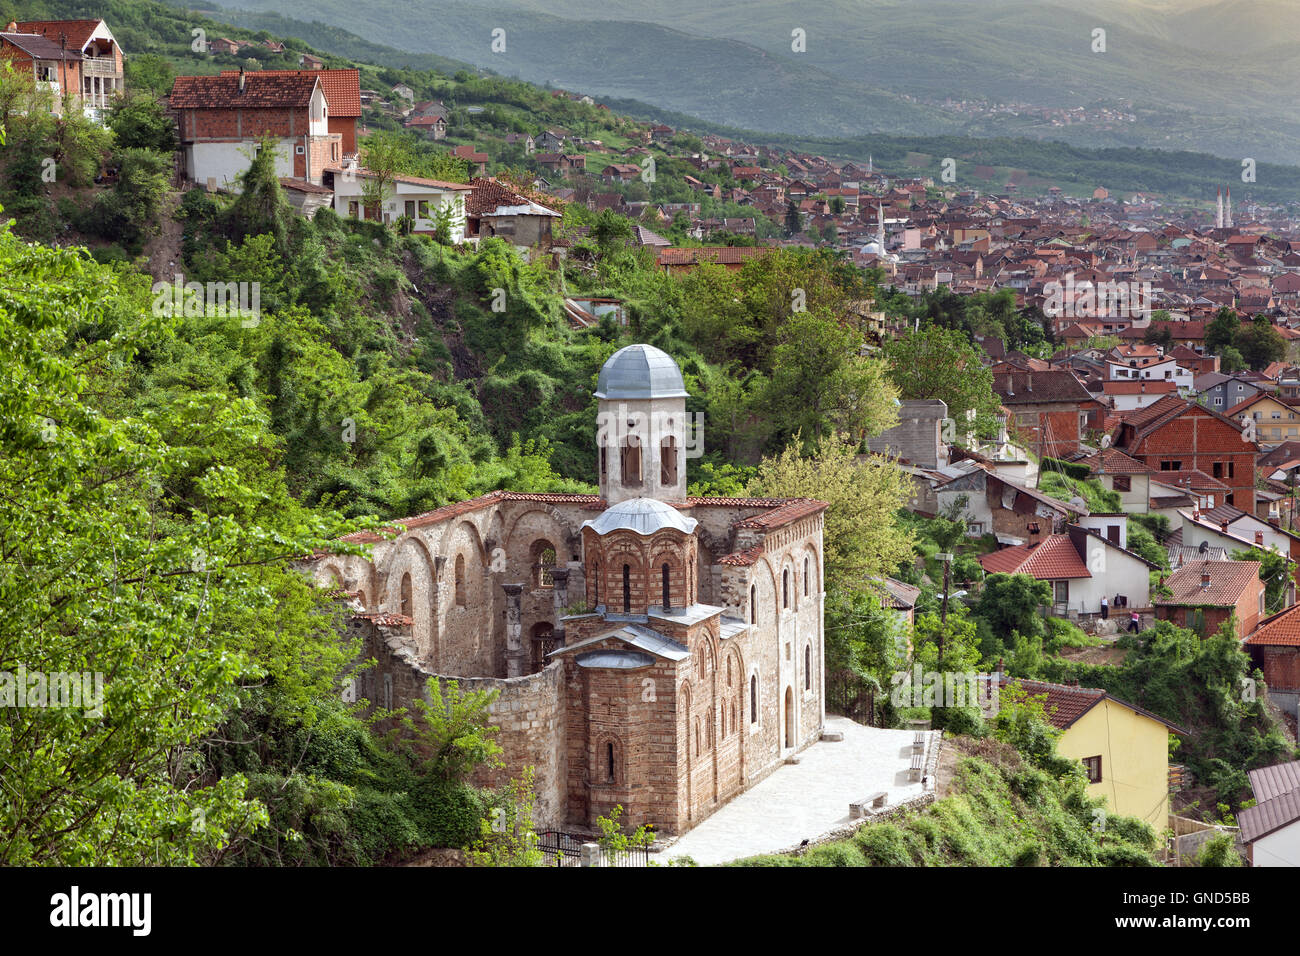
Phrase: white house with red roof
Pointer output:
(419, 199)
(80, 59)
(1082, 565)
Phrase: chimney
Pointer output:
(241, 79)
(1029, 382)
(1205, 577)
(1259, 538)
(12, 27)
(1223, 525)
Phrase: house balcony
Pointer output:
(100, 66)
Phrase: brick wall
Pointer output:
(1280, 665)
(1199, 440)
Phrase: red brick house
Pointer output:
(1175, 435)
(1275, 649)
(1207, 593)
(76, 58)
(221, 120)
(1049, 409)
(342, 89)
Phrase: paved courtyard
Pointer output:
(805, 800)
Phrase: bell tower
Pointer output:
(641, 426)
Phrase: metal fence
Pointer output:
(565, 849)
(848, 695)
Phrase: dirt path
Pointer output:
(164, 250)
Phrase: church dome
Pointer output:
(644, 516)
(638, 372)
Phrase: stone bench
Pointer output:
(861, 807)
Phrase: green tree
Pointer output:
(939, 363)
(1260, 343)
(146, 543)
(1230, 360)
(138, 122)
(793, 221)
(862, 538)
(1222, 331)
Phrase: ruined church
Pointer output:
(652, 650)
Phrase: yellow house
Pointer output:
(1276, 418)
(1123, 748)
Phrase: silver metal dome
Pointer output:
(644, 516)
(640, 371)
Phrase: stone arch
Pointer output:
(410, 581)
(812, 572)
(525, 529)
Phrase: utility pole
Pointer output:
(946, 558)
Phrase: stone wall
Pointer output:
(528, 710)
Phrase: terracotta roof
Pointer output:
(723, 255)
(1280, 630)
(744, 558)
(269, 91)
(302, 186)
(1056, 385)
(385, 620)
(489, 195)
(900, 595)
(1112, 461)
(364, 173)
(1155, 387)
(78, 31)
(1054, 558)
(1227, 580)
(342, 88)
(785, 514)
(1065, 704)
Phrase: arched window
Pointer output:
(785, 589)
(753, 604)
(460, 580)
(668, 601)
(595, 584)
(631, 463)
(627, 589)
(805, 576)
(697, 736)
(406, 595)
(753, 699)
(668, 462)
(543, 564)
(543, 643)
(609, 762)
(807, 667)
(728, 671)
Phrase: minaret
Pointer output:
(1228, 215)
(880, 227)
(869, 165)
(641, 421)
(1218, 216)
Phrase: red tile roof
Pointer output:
(385, 620)
(723, 255)
(1065, 704)
(1280, 630)
(342, 88)
(267, 91)
(1112, 461)
(1228, 579)
(77, 31)
(1022, 388)
(1052, 559)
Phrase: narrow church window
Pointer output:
(609, 761)
(807, 667)
(595, 583)
(406, 595)
(460, 580)
(753, 604)
(604, 463)
(668, 462)
(667, 596)
(785, 589)
(753, 699)
(627, 589)
(543, 565)
(805, 577)
(631, 460)
(697, 736)
(728, 671)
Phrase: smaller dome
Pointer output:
(643, 516)
(640, 371)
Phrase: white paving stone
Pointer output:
(805, 800)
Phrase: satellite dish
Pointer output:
(1105, 441)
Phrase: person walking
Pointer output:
(1105, 609)
(1134, 623)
